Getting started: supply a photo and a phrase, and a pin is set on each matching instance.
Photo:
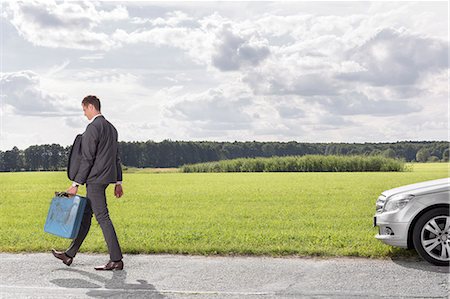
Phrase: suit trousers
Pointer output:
(97, 204)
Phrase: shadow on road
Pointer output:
(409, 258)
(419, 264)
(116, 287)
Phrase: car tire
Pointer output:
(431, 236)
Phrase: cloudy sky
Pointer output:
(225, 71)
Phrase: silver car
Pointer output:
(417, 216)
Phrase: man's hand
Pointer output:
(72, 190)
(118, 191)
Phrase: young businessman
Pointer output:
(99, 166)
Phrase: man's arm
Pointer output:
(89, 143)
(119, 167)
(118, 190)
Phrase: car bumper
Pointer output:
(391, 232)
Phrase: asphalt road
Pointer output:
(177, 276)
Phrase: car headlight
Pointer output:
(380, 203)
(397, 202)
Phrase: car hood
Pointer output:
(421, 188)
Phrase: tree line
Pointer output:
(169, 153)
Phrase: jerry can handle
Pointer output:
(64, 194)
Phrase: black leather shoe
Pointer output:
(111, 266)
(62, 256)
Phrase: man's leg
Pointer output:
(84, 229)
(97, 196)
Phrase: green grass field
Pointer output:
(320, 214)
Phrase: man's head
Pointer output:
(91, 106)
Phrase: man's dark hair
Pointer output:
(91, 100)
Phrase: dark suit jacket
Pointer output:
(100, 161)
(74, 158)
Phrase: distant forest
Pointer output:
(169, 153)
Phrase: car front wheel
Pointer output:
(431, 236)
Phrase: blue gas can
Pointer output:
(65, 215)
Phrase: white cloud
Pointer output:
(278, 81)
(290, 112)
(57, 68)
(173, 19)
(214, 109)
(76, 122)
(395, 57)
(112, 76)
(211, 41)
(193, 41)
(92, 57)
(22, 91)
(234, 51)
(67, 24)
(354, 103)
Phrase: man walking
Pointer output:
(99, 166)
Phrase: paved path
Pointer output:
(177, 276)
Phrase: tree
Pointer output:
(56, 157)
(2, 166)
(33, 157)
(11, 160)
(268, 149)
(433, 159)
(389, 153)
(445, 155)
(422, 155)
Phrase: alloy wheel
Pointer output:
(435, 237)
